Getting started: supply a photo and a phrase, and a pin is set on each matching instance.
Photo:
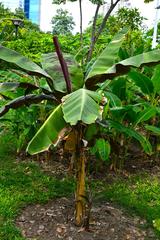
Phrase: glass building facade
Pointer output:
(32, 10)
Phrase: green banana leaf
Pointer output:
(142, 81)
(49, 133)
(81, 105)
(103, 148)
(16, 58)
(158, 110)
(106, 60)
(91, 132)
(12, 86)
(114, 101)
(129, 132)
(146, 114)
(25, 101)
(118, 87)
(135, 61)
(125, 113)
(156, 79)
(51, 65)
(125, 108)
(153, 129)
(104, 71)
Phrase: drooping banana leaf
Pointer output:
(16, 58)
(12, 86)
(7, 87)
(103, 71)
(106, 60)
(81, 105)
(129, 132)
(52, 66)
(14, 90)
(152, 57)
(49, 133)
(25, 100)
(14, 75)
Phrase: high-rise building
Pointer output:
(31, 8)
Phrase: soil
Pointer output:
(54, 220)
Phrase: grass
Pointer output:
(139, 194)
(22, 184)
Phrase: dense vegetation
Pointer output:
(102, 100)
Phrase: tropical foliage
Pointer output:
(62, 22)
(76, 103)
(105, 104)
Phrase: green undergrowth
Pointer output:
(22, 184)
(139, 194)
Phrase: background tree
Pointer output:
(4, 11)
(30, 40)
(80, 13)
(62, 22)
(20, 13)
(95, 33)
(122, 18)
(147, 1)
(129, 17)
(7, 28)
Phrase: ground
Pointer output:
(54, 220)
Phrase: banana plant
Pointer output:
(149, 86)
(133, 101)
(76, 100)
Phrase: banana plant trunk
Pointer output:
(80, 180)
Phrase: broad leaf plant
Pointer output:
(78, 102)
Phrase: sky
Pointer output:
(147, 10)
(48, 10)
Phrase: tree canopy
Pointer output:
(93, 1)
(62, 22)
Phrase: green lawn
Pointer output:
(22, 184)
(139, 194)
